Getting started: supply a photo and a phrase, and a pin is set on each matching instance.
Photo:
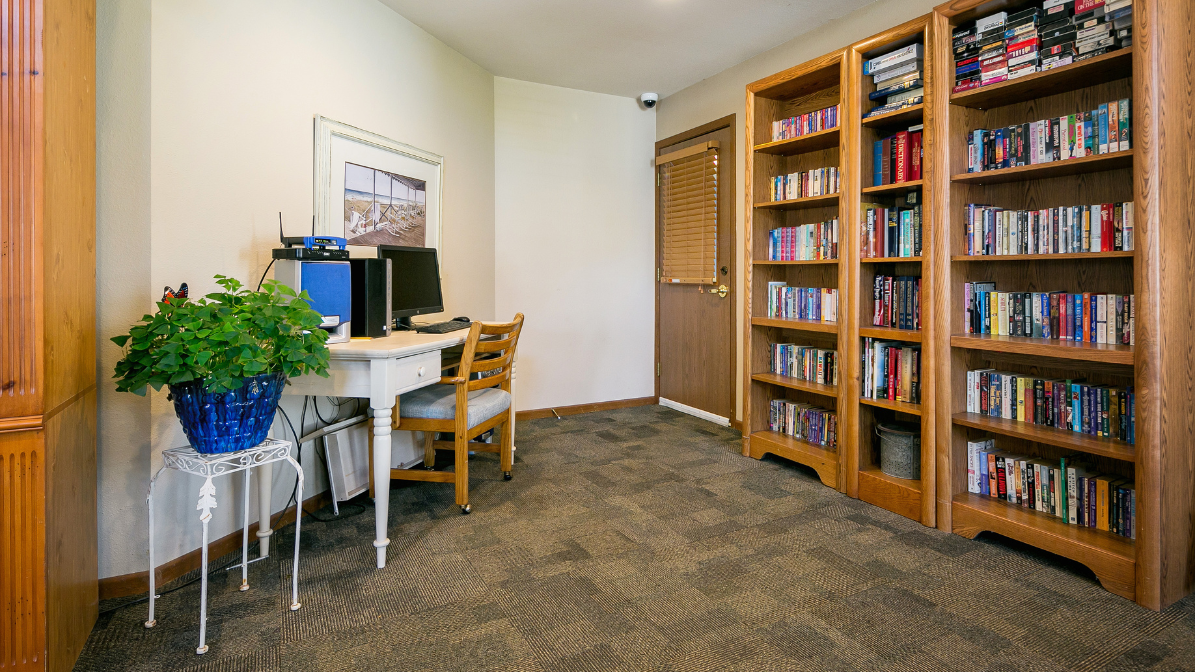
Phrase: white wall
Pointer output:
(226, 92)
(725, 92)
(574, 241)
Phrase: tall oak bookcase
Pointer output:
(1158, 567)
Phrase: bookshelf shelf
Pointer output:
(1111, 557)
(899, 406)
(802, 325)
(903, 116)
(796, 384)
(1044, 347)
(824, 462)
(897, 189)
(1098, 70)
(899, 495)
(799, 145)
(802, 262)
(889, 260)
(891, 334)
(1052, 436)
(800, 203)
(1086, 164)
(1042, 257)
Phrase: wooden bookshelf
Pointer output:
(808, 87)
(1154, 570)
(913, 499)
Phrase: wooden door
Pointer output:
(695, 324)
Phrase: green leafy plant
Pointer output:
(222, 338)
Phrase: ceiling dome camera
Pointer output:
(649, 100)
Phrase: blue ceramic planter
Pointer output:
(228, 421)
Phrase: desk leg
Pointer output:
(265, 491)
(381, 479)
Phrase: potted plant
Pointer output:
(225, 358)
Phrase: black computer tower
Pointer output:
(371, 298)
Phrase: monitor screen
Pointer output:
(414, 280)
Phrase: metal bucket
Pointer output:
(900, 450)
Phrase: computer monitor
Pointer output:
(414, 282)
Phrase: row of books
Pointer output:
(808, 242)
(1003, 46)
(897, 302)
(815, 425)
(891, 231)
(816, 365)
(898, 79)
(1086, 318)
(1064, 488)
(816, 182)
(802, 303)
(891, 371)
(1072, 405)
(897, 158)
(1103, 227)
(1100, 131)
(810, 122)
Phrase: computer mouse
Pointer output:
(461, 319)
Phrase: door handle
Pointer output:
(721, 291)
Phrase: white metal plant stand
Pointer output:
(187, 459)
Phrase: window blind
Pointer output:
(689, 213)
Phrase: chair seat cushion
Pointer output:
(438, 402)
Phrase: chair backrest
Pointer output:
(497, 353)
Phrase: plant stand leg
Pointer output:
(207, 502)
(294, 570)
(245, 539)
(265, 487)
(149, 501)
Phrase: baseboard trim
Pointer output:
(138, 582)
(578, 409)
(695, 412)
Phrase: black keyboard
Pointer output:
(442, 327)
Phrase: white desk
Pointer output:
(380, 369)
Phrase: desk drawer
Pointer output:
(411, 373)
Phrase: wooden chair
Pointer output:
(466, 408)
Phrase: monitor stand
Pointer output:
(404, 324)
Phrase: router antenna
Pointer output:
(313, 225)
(281, 236)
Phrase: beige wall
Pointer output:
(205, 134)
(725, 93)
(574, 241)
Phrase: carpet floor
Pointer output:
(641, 539)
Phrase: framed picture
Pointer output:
(372, 190)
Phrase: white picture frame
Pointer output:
(340, 147)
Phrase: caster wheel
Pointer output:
(506, 476)
(466, 509)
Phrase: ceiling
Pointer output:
(620, 47)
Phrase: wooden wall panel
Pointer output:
(22, 546)
(20, 207)
(72, 566)
(68, 262)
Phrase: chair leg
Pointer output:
(507, 454)
(429, 450)
(462, 471)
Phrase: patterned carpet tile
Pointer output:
(642, 540)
